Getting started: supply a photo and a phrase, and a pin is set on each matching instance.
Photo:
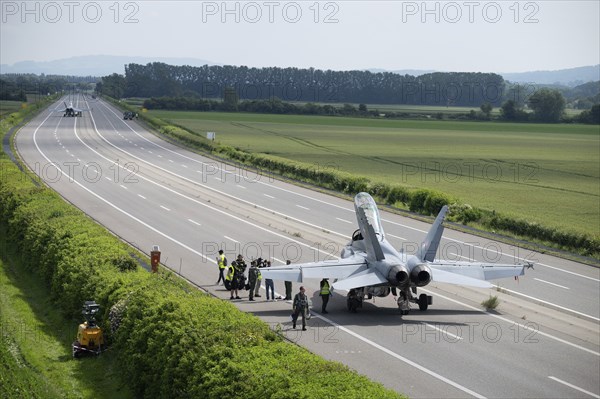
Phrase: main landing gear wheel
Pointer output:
(423, 302)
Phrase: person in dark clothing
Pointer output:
(300, 306)
(252, 279)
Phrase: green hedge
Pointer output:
(172, 341)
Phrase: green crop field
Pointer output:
(7, 107)
(543, 173)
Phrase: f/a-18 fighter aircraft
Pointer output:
(70, 110)
(369, 265)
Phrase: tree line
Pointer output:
(15, 86)
(308, 85)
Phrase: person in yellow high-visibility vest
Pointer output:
(325, 293)
(222, 263)
(233, 280)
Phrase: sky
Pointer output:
(469, 36)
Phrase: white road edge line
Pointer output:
(593, 395)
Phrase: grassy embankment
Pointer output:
(35, 344)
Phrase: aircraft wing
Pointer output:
(473, 273)
(334, 269)
(364, 278)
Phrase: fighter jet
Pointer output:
(369, 265)
(70, 110)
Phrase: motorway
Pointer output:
(542, 341)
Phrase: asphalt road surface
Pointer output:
(542, 341)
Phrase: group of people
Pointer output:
(234, 279)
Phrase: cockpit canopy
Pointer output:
(366, 202)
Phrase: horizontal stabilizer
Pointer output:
(441, 276)
(363, 279)
(481, 271)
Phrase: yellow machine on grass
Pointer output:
(90, 339)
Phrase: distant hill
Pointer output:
(563, 77)
(93, 65)
(566, 77)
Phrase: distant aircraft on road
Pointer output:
(370, 266)
(70, 110)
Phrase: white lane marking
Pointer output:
(141, 196)
(241, 186)
(593, 395)
(170, 160)
(344, 220)
(160, 156)
(110, 203)
(525, 327)
(549, 303)
(123, 186)
(231, 239)
(548, 282)
(150, 152)
(165, 208)
(443, 331)
(219, 179)
(107, 178)
(269, 196)
(196, 223)
(185, 166)
(401, 358)
(400, 238)
(199, 171)
(303, 207)
(567, 271)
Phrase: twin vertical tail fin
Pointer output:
(431, 243)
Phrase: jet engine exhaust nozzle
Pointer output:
(398, 276)
(420, 275)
